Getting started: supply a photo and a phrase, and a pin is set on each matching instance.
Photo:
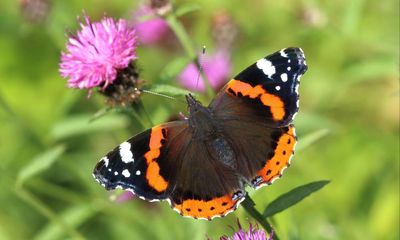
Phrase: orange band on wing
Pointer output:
(155, 180)
(207, 209)
(283, 151)
(274, 102)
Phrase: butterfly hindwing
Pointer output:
(204, 185)
(283, 144)
(256, 150)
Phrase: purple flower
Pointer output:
(35, 11)
(254, 233)
(97, 52)
(151, 30)
(216, 68)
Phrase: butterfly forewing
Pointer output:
(125, 167)
(134, 165)
(268, 89)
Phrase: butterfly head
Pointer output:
(200, 117)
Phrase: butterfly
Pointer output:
(202, 164)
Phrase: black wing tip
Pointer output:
(296, 53)
(103, 181)
(99, 174)
(290, 55)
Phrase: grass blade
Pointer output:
(311, 138)
(84, 124)
(40, 163)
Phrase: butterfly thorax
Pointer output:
(205, 128)
(201, 120)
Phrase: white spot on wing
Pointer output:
(138, 172)
(284, 77)
(105, 159)
(125, 152)
(283, 54)
(115, 173)
(298, 78)
(266, 66)
(126, 173)
(278, 88)
(289, 68)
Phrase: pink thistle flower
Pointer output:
(151, 30)
(97, 52)
(254, 233)
(216, 68)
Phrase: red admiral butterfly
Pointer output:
(201, 165)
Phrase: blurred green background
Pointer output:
(348, 124)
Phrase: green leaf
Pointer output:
(292, 197)
(82, 124)
(311, 138)
(40, 163)
(186, 8)
(168, 90)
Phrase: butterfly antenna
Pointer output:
(160, 94)
(203, 52)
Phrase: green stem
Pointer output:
(182, 36)
(249, 206)
(102, 112)
(132, 112)
(185, 41)
(142, 110)
(56, 191)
